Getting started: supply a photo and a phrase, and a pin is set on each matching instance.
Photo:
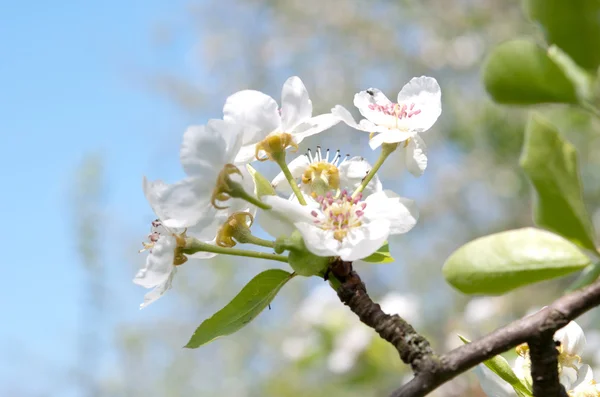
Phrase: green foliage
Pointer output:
(262, 185)
(572, 25)
(581, 79)
(248, 304)
(587, 276)
(382, 255)
(520, 72)
(550, 162)
(500, 262)
(500, 367)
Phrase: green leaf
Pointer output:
(262, 187)
(550, 162)
(500, 262)
(251, 300)
(520, 72)
(581, 79)
(382, 255)
(500, 367)
(573, 25)
(587, 276)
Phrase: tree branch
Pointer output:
(457, 361)
(412, 347)
(544, 366)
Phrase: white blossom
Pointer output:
(417, 108)
(261, 117)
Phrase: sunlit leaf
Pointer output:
(573, 25)
(551, 164)
(248, 304)
(520, 72)
(382, 255)
(501, 262)
(262, 185)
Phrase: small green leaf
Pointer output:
(587, 276)
(262, 185)
(520, 72)
(500, 262)
(248, 304)
(500, 367)
(573, 25)
(550, 162)
(382, 255)
(304, 262)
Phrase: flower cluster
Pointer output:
(335, 203)
(576, 377)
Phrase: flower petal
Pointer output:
(296, 106)
(585, 376)
(389, 136)
(362, 241)
(207, 148)
(492, 384)
(182, 204)
(159, 263)
(159, 290)
(256, 113)
(318, 241)
(401, 212)
(571, 338)
(376, 107)
(352, 173)
(425, 93)
(279, 220)
(416, 156)
(297, 167)
(344, 115)
(314, 125)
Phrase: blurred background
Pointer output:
(94, 95)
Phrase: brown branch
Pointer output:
(544, 366)
(412, 347)
(457, 361)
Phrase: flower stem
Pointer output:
(244, 195)
(193, 245)
(386, 150)
(248, 238)
(280, 160)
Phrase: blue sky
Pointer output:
(73, 82)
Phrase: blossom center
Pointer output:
(404, 111)
(155, 232)
(322, 175)
(341, 214)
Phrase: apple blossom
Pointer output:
(345, 226)
(318, 174)
(265, 124)
(417, 109)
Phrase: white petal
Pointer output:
(365, 240)
(297, 167)
(159, 290)
(425, 93)
(296, 106)
(353, 171)
(344, 115)
(585, 376)
(416, 156)
(401, 212)
(572, 338)
(279, 220)
(182, 204)
(318, 241)
(492, 384)
(256, 113)
(568, 377)
(314, 126)
(159, 263)
(366, 100)
(390, 136)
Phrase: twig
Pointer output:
(459, 360)
(544, 367)
(412, 347)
